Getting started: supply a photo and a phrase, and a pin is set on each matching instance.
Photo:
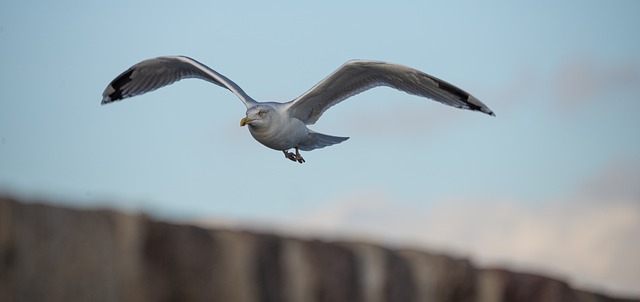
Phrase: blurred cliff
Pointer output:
(50, 253)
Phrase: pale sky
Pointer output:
(560, 160)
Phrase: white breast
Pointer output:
(283, 133)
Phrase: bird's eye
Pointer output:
(261, 113)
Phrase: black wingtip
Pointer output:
(110, 95)
(114, 90)
(481, 108)
(475, 105)
(105, 101)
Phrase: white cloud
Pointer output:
(589, 238)
(592, 244)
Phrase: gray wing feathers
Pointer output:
(158, 72)
(357, 76)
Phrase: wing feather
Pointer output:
(155, 73)
(359, 75)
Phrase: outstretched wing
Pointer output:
(358, 75)
(152, 74)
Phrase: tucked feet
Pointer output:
(289, 155)
(293, 156)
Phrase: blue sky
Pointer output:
(562, 77)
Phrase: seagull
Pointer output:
(283, 126)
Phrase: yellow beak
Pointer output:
(244, 121)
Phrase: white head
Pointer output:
(258, 116)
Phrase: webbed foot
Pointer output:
(294, 156)
(289, 155)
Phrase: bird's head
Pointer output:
(257, 116)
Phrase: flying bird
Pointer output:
(283, 126)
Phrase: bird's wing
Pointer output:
(357, 76)
(152, 74)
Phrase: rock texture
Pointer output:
(49, 253)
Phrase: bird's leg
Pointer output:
(289, 155)
(298, 156)
(294, 157)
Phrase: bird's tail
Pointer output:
(318, 140)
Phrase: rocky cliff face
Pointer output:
(55, 254)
